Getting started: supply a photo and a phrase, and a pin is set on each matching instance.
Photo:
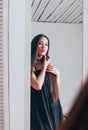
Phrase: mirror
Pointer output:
(62, 22)
(69, 78)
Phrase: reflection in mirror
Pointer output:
(62, 21)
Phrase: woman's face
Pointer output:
(42, 46)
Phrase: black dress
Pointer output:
(45, 114)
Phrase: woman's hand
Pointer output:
(55, 71)
(52, 69)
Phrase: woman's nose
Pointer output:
(43, 45)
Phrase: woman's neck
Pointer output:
(39, 57)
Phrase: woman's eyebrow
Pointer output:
(43, 41)
(40, 41)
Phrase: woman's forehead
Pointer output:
(43, 39)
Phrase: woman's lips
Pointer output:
(43, 50)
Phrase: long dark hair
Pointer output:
(77, 118)
(34, 53)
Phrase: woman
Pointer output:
(46, 112)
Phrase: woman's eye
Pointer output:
(43, 44)
(39, 43)
(46, 44)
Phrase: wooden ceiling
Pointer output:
(57, 11)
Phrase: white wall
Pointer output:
(66, 55)
(16, 63)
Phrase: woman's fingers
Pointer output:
(46, 61)
(50, 66)
(45, 58)
(52, 69)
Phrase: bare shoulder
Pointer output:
(58, 72)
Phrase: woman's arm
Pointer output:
(37, 82)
